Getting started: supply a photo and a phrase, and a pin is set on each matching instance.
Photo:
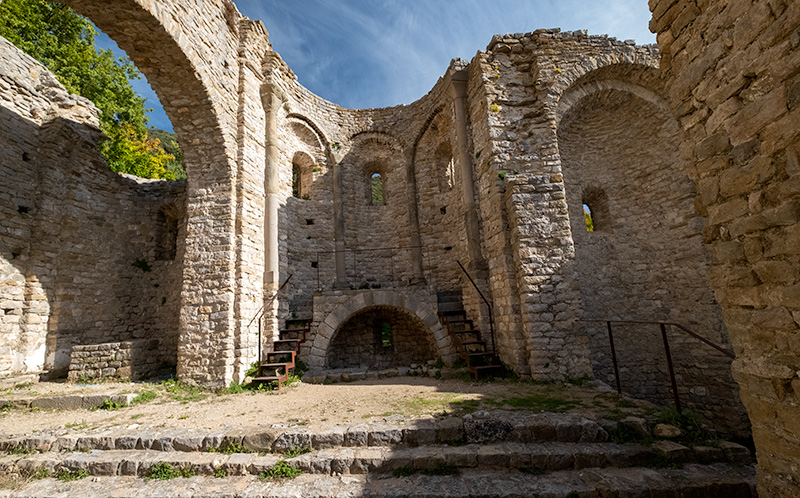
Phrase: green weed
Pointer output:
(144, 397)
(294, 452)
(280, 470)
(164, 471)
(66, 475)
(109, 405)
(220, 473)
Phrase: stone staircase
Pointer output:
(486, 454)
(281, 360)
(469, 343)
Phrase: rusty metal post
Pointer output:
(258, 372)
(614, 358)
(671, 369)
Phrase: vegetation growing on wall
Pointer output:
(63, 41)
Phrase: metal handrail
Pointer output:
(260, 314)
(489, 306)
(668, 354)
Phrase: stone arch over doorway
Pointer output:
(422, 311)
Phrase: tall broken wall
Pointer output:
(72, 232)
(734, 85)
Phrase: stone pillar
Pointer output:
(458, 92)
(272, 101)
(338, 219)
(413, 214)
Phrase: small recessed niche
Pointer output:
(309, 222)
(448, 248)
(443, 210)
(23, 209)
(314, 264)
(26, 157)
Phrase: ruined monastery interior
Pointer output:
(371, 227)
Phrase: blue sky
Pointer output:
(378, 53)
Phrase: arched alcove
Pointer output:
(381, 337)
(645, 259)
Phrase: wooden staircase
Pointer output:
(467, 339)
(281, 360)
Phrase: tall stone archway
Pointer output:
(190, 54)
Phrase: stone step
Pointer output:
(454, 306)
(532, 457)
(480, 428)
(691, 481)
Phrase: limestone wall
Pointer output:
(645, 260)
(733, 85)
(88, 256)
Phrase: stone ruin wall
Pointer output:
(733, 73)
(72, 230)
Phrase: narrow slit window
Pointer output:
(587, 215)
(386, 335)
(297, 175)
(376, 187)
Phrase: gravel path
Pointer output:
(301, 404)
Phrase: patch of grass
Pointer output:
(66, 475)
(40, 473)
(134, 417)
(234, 388)
(108, 405)
(280, 470)
(22, 385)
(18, 449)
(294, 452)
(465, 405)
(542, 403)
(230, 448)
(183, 392)
(220, 473)
(694, 431)
(164, 471)
(144, 397)
(624, 434)
(78, 426)
(625, 403)
(404, 471)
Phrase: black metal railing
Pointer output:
(260, 314)
(667, 352)
(488, 305)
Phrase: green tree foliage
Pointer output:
(63, 41)
(376, 186)
(588, 218)
(169, 143)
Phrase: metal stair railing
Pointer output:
(667, 351)
(489, 306)
(260, 314)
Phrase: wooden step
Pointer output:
(272, 355)
(285, 345)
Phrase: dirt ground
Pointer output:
(311, 405)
